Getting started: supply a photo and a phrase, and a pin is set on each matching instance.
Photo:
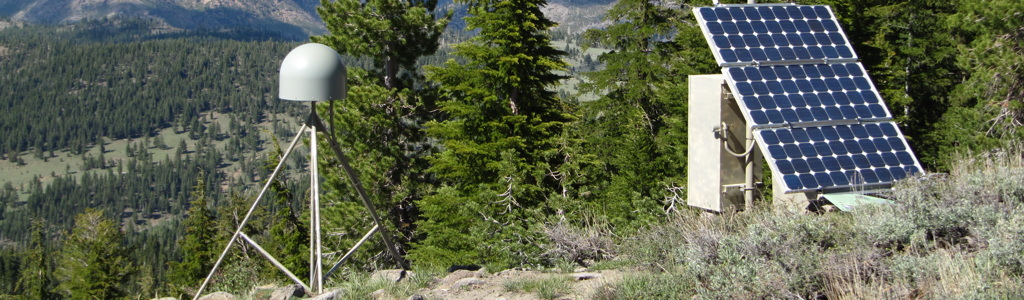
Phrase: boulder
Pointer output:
(287, 292)
(449, 280)
(218, 296)
(329, 295)
(466, 282)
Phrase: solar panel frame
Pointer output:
(838, 156)
(781, 95)
(738, 34)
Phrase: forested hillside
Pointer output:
(469, 142)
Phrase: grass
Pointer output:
(360, 285)
(953, 236)
(549, 287)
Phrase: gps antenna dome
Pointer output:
(312, 72)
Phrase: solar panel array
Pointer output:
(788, 94)
(817, 116)
(839, 155)
(774, 33)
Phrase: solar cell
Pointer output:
(743, 35)
(822, 157)
(786, 94)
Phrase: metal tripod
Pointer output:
(316, 276)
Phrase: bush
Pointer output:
(945, 236)
(582, 246)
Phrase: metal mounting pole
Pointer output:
(316, 271)
(353, 250)
(748, 189)
(358, 185)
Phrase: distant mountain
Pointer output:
(291, 18)
(575, 16)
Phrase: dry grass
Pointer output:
(951, 236)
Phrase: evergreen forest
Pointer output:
(477, 146)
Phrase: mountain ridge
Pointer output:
(294, 19)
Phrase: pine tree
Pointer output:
(395, 33)
(289, 234)
(987, 108)
(499, 140)
(198, 245)
(94, 261)
(35, 281)
(382, 116)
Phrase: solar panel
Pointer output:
(773, 33)
(817, 157)
(815, 112)
(789, 94)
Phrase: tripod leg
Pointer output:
(316, 270)
(245, 220)
(358, 184)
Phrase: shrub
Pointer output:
(580, 245)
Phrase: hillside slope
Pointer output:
(293, 18)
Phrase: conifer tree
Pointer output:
(198, 245)
(499, 140)
(94, 261)
(35, 280)
(394, 33)
(379, 123)
(636, 129)
(987, 108)
(289, 233)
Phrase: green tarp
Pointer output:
(846, 202)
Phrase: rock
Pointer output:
(450, 280)
(165, 298)
(393, 275)
(287, 292)
(416, 297)
(377, 294)
(465, 282)
(328, 295)
(585, 276)
(218, 296)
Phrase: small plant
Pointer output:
(546, 288)
(648, 286)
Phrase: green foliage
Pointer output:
(94, 261)
(648, 286)
(987, 106)
(637, 130)
(499, 140)
(380, 121)
(125, 90)
(395, 33)
(198, 245)
(36, 280)
(289, 235)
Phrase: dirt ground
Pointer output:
(517, 284)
